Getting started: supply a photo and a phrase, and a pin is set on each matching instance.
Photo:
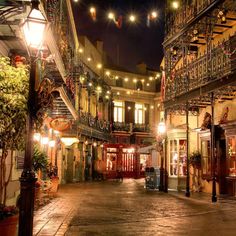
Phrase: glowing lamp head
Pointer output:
(34, 27)
(175, 5)
(154, 14)
(132, 18)
(108, 73)
(52, 143)
(81, 50)
(111, 16)
(92, 10)
(99, 65)
(161, 129)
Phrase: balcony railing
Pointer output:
(176, 20)
(90, 121)
(129, 127)
(204, 70)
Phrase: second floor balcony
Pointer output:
(130, 127)
(206, 69)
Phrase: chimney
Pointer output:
(141, 68)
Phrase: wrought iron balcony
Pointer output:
(92, 122)
(186, 13)
(129, 127)
(203, 70)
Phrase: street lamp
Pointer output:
(161, 130)
(33, 28)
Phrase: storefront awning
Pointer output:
(147, 149)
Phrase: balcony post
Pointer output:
(187, 193)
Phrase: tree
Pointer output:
(14, 88)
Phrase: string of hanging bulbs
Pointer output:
(118, 19)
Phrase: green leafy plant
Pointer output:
(14, 87)
(40, 159)
(195, 159)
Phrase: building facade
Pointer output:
(198, 93)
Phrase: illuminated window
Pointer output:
(139, 113)
(118, 111)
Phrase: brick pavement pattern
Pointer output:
(120, 209)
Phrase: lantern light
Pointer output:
(37, 137)
(45, 140)
(51, 143)
(161, 129)
(68, 141)
(132, 18)
(111, 16)
(34, 27)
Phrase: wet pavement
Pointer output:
(113, 208)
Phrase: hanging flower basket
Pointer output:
(195, 159)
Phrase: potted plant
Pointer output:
(14, 82)
(195, 159)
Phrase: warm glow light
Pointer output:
(111, 16)
(86, 142)
(101, 145)
(145, 108)
(161, 129)
(90, 84)
(68, 141)
(158, 75)
(116, 77)
(108, 92)
(107, 97)
(44, 140)
(135, 80)
(131, 150)
(148, 84)
(126, 79)
(108, 73)
(150, 78)
(154, 14)
(128, 92)
(99, 89)
(37, 137)
(175, 4)
(118, 93)
(129, 108)
(89, 59)
(81, 50)
(99, 65)
(51, 143)
(132, 18)
(34, 28)
(142, 80)
(92, 10)
(152, 107)
(56, 132)
(95, 144)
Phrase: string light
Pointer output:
(99, 65)
(111, 16)
(132, 18)
(126, 79)
(89, 59)
(175, 5)
(154, 15)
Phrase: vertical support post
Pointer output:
(187, 193)
(213, 157)
(161, 186)
(27, 179)
(165, 158)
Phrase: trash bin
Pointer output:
(152, 178)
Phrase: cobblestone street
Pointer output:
(112, 208)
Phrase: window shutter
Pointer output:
(129, 113)
(147, 106)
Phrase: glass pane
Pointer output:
(232, 155)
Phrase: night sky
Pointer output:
(131, 44)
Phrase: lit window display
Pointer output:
(232, 155)
(139, 113)
(178, 157)
(118, 111)
(206, 157)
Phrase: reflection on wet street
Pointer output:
(112, 208)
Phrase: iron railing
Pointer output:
(129, 127)
(203, 70)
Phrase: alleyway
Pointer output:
(112, 208)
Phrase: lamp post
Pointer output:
(33, 29)
(161, 130)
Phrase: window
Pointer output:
(119, 82)
(139, 113)
(232, 155)
(206, 157)
(118, 111)
(178, 157)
